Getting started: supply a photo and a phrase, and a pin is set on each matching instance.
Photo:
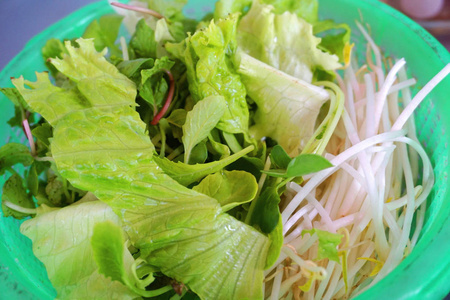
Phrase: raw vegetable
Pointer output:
(190, 159)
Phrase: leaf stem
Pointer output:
(24, 210)
(138, 9)
(27, 130)
(169, 98)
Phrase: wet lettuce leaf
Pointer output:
(287, 107)
(98, 83)
(62, 241)
(285, 42)
(182, 232)
(208, 56)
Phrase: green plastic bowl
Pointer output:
(424, 274)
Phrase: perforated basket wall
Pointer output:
(425, 273)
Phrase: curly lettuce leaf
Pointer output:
(178, 230)
(305, 9)
(287, 107)
(62, 241)
(226, 7)
(208, 56)
(285, 42)
(97, 83)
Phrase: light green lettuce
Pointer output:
(286, 42)
(178, 230)
(62, 241)
(287, 107)
(96, 83)
(208, 55)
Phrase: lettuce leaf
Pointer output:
(305, 9)
(98, 83)
(285, 42)
(178, 230)
(287, 107)
(61, 240)
(208, 56)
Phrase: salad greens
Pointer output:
(157, 170)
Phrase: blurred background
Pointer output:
(20, 20)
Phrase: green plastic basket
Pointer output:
(424, 274)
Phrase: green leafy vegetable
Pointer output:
(334, 43)
(104, 31)
(200, 121)
(306, 164)
(328, 243)
(285, 42)
(276, 242)
(229, 188)
(208, 57)
(115, 261)
(187, 174)
(53, 48)
(287, 107)
(169, 223)
(15, 200)
(62, 241)
(142, 43)
(266, 212)
(279, 158)
(227, 7)
(98, 83)
(305, 9)
(12, 154)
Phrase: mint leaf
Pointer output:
(266, 213)
(306, 164)
(279, 158)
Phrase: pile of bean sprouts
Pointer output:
(371, 193)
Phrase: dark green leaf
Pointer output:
(279, 158)
(143, 43)
(14, 192)
(198, 154)
(253, 165)
(104, 32)
(276, 242)
(266, 213)
(276, 173)
(307, 164)
(33, 180)
(43, 132)
(107, 247)
(132, 68)
(14, 153)
(18, 118)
